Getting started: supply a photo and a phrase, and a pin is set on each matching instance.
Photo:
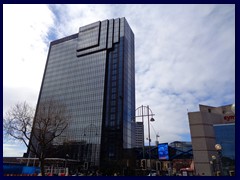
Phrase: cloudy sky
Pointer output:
(184, 54)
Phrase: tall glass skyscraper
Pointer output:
(92, 73)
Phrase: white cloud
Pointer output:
(68, 18)
(13, 150)
(25, 46)
(185, 54)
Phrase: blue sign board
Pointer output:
(163, 151)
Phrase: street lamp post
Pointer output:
(218, 147)
(142, 112)
(213, 163)
(89, 132)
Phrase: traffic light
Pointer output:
(143, 163)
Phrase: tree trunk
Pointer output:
(42, 167)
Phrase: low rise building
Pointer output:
(208, 127)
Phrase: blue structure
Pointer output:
(19, 169)
(180, 150)
(225, 136)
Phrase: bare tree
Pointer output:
(38, 133)
(17, 123)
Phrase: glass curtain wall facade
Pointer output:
(225, 136)
(93, 74)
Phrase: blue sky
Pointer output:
(184, 56)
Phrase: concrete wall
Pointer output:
(203, 135)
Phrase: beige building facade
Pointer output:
(203, 137)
